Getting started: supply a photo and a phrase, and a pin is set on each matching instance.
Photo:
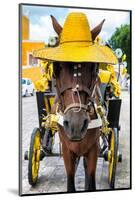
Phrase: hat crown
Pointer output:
(76, 29)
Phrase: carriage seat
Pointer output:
(105, 77)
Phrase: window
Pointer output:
(32, 61)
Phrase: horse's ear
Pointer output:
(57, 27)
(97, 30)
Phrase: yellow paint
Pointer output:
(104, 76)
(33, 72)
(51, 122)
(47, 71)
(124, 57)
(113, 79)
(111, 159)
(25, 28)
(29, 47)
(109, 156)
(41, 84)
(51, 102)
(36, 156)
(124, 71)
(115, 84)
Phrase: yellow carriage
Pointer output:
(111, 91)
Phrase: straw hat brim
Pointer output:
(66, 53)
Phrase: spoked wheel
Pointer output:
(34, 157)
(48, 141)
(112, 156)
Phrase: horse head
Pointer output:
(75, 83)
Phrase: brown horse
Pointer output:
(75, 138)
(75, 84)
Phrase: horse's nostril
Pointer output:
(66, 124)
(85, 125)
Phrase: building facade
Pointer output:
(30, 65)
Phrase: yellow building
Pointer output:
(30, 67)
(25, 28)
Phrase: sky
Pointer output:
(41, 27)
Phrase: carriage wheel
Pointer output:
(112, 156)
(48, 141)
(34, 157)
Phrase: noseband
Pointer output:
(75, 90)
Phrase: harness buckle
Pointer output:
(90, 108)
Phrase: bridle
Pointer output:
(75, 90)
(78, 106)
(90, 107)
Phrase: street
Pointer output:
(52, 175)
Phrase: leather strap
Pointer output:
(64, 88)
(75, 105)
(81, 88)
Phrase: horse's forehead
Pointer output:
(80, 73)
(72, 64)
(73, 67)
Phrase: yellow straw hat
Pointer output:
(76, 44)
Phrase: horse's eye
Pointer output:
(97, 69)
(94, 70)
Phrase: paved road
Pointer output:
(52, 176)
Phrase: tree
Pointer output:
(121, 39)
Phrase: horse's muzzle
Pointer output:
(76, 124)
